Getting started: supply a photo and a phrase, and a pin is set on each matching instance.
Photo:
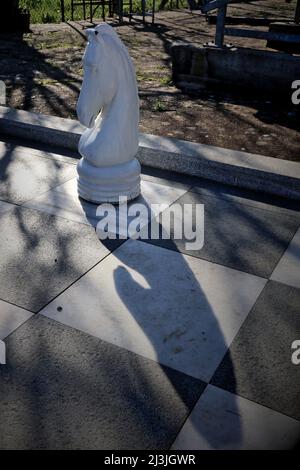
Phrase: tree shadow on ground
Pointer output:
(30, 70)
(246, 120)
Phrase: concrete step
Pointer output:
(236, 168)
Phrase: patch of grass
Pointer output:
(43, 11)
(49, 18)
(50, 81)
(131, 42)
(166, 80)
(46, 81)
(159, 106)
(144, 77)
(55, 45)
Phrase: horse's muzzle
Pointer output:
(85, 118)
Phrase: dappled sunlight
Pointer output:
(163, 321)
(24, 175)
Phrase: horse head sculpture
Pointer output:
(108, 106)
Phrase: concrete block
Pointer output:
(266, 71)
(286, 28)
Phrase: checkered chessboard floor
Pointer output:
(131, 344)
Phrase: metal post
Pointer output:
(144, 10)
(153, 10)
(62, 9)
(91, 11)
(297, 14)
(219, 39)
(120, 2)
(84, 10)
(2, 93)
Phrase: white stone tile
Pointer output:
(21, 150)
(11, 317)
(222, 420)
(287, 270)
(63, 201)
(178, 310)
(29, 175)
(5, 206)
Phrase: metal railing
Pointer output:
(221, 30)
(55, 11)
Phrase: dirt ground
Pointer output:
(43, 73)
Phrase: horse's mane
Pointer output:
(107, 32)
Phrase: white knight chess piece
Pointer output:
(108, 106)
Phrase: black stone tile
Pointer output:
(246, 196)
(258, 365)
(63, 389)
(41, 255)
(168, 178)
(237, 235)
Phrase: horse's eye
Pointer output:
(96, 32)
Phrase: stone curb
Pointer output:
(242, 169)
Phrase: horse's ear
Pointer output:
(98, 36)
(92, 33)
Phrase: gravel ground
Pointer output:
(43, 73)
